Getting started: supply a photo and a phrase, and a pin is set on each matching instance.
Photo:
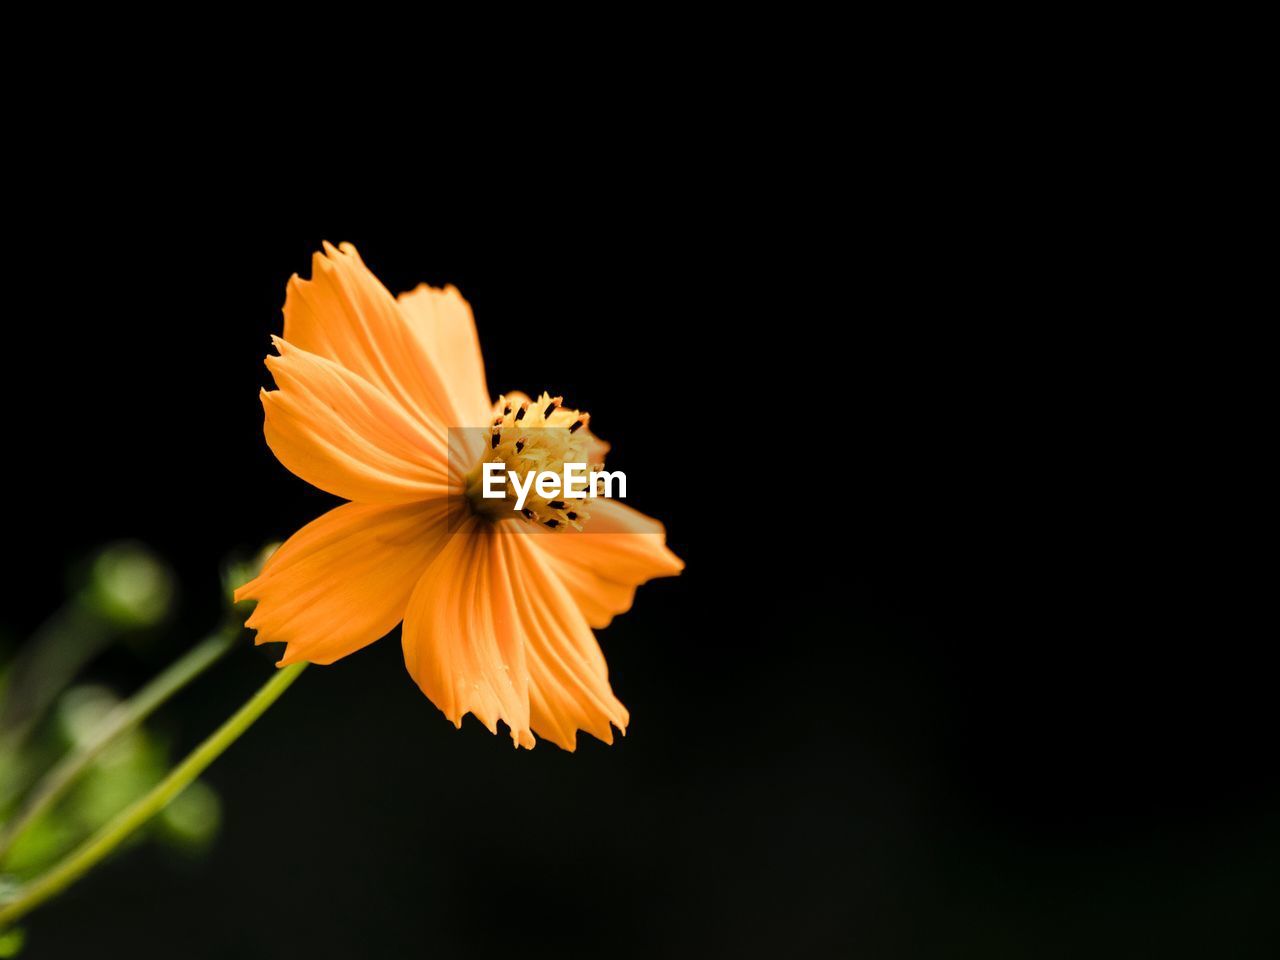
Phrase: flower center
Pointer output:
(526, 440)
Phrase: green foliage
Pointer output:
(129, 767)
(11, 942)
(239, 572)
(129, 587)
(78, 762)
(190, 823)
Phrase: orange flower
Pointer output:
(497, 607)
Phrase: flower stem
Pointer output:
(124, 718)
(87, 855)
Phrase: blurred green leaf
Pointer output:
(125, 771)
(11, 942)
(191, 821)
(129, 586)
(239, 572)
(9, 887)
(123, 590)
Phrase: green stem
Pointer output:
(79, 861)
(124, 718)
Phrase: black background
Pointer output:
(934, 683)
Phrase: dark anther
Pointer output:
(571, 515)
(506, 410)
(553, 523)
(551, 408)
(576, 425)
(529, 514)
(497, 439)
(497, 422)
(524, 408)
(556, 504)
(519, 445)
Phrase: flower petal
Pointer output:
(463, 643)
(344, 579)
(620, 549)
(445, 324)
(345, 314)
(341, 434)
(568, 678)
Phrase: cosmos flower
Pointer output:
(498, 607)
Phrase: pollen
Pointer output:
(529, 438)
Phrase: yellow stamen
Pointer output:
(549, 436)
